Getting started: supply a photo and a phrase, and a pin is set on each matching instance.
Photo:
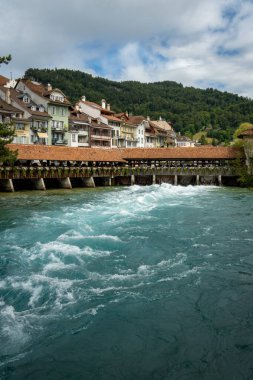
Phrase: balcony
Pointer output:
(58, 129)
(100, 137)
(56, 141)
(85, 144)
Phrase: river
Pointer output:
(133, 283)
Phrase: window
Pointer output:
(26, 99)
(63, 111)
(53, 110)
(73, 137)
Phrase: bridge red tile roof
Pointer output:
(62, 153)
(188, 153)
(59, 153)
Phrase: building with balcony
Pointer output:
(100, 135)
(36, 115)
(13, 115)
(55, 104)
(104, 115)
(79, 129)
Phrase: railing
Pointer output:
(100, 137)
(18, 172)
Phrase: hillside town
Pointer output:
(41, 114)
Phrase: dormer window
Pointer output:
(57, 97)
(33, 108)
(41, 109)
(26, 99)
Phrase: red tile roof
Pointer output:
(203, 152)
(61, 153)
(3, 80)
(42, 152)
(41, 90)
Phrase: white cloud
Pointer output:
(193, 42)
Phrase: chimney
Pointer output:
(108, 107)
(148, 118)
(8, 96)
(83, 98)
(160, 118)
(49, 87)
(126, 113)
(103, 103)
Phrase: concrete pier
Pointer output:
(153, 179)
(132, 179)
(65, 183)
(6, 185)
(197, 179)
(39, 184)
(175, 180)
(219, 180)
(88, 181)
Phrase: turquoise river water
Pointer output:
(132, 283)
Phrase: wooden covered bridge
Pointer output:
(41, 167)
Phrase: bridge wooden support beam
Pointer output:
(65, 183)
(175, 180)
(88, 181)
(39, 184)
(7, 185)
(219, 180)
(197, 179)
(132, 179)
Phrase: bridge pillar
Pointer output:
(65, 183)
(219, 180)
(132, 179)
(175, 180)
(153, 179)
(7, 185)
(88, 181)
(107, 181)
(39, 184)
(197, 179)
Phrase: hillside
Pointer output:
(190, 109)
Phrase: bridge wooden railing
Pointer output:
(29, 172)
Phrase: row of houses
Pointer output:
(43, 115)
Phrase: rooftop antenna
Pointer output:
(11, 75)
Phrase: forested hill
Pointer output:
(190, 109)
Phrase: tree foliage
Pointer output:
(190, 110)
(5, 59)
(6, 136)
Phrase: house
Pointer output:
(36, 116)
(56, 105)
(247, 135)
(11, 114)
(184, 142)
(128, 132)
(140, 124)
(102, 115)
(167, 128)
(79, 129)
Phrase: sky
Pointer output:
(199, 43)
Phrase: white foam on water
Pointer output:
(12, 329)
(104, 236)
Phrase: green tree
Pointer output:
(6, 136)
(203, 140)
(5, 59)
